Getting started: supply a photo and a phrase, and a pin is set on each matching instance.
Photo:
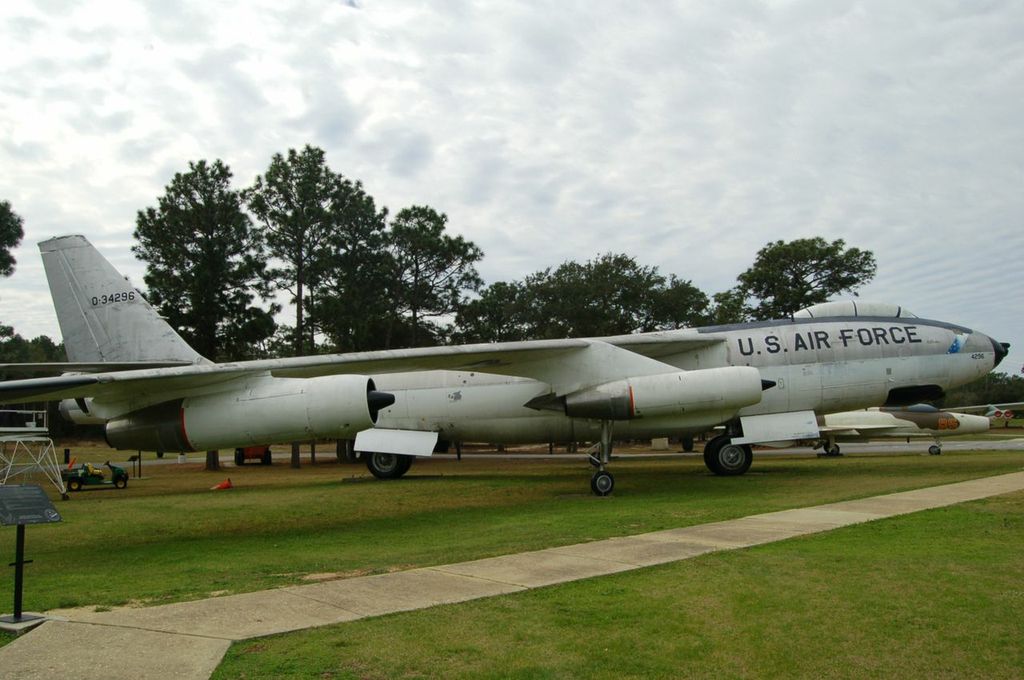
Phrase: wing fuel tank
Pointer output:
(667, 394)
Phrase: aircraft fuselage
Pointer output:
(820, 365)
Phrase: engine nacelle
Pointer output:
(665, 394)
(77, 411)
(265, 411)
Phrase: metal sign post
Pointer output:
(19, 575)
(21, 505)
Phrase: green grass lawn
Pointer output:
(936, 594)
(168, 537)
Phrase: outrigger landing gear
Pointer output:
(830, 449)
(602, 483)
(727, 459)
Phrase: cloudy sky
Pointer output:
(686, 134)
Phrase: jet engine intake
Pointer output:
(265, 410)
(731, 387)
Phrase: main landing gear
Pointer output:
(727, 459)
(387, 465)
(602, 483)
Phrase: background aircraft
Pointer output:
(764, 381)
(997, 413)
(919, 420)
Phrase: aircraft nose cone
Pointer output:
(1001, 350)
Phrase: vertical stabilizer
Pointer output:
(102, 317)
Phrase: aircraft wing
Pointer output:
(566, 365)
(665, 343)
(113, 385)
(60, 367)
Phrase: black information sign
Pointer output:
(26, 505)
(23, 505)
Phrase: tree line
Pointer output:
(357, 278)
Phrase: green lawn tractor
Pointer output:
(88, 474)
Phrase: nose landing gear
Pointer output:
(602, 483)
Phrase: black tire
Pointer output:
(267, 458)
(834, 450)
(602, 483)
(934, 450)
(351, 455)
(732, 460)
(120, 482)
(74, 485)
(711, 452)
(387, 465)
(159, 454)
(687, 443)
(239, 457)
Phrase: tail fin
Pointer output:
(102, 317)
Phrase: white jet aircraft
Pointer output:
(763, 381)
(919, 420)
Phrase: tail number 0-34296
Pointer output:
(110, 299)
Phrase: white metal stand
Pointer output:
(21, 457)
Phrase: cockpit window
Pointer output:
(854, 308)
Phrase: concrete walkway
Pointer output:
(188, 639)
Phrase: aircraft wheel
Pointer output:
(267, 458)
(350, 454)
(159, 454)
(711, 452)
(602, 483)
(239, 457)
(75, 485)
(934, 450)
(732, 459)
(687, 443)
(387, 465)
(833, 450)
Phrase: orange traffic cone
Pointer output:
(226, 484)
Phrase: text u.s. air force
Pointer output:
(821, 339)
